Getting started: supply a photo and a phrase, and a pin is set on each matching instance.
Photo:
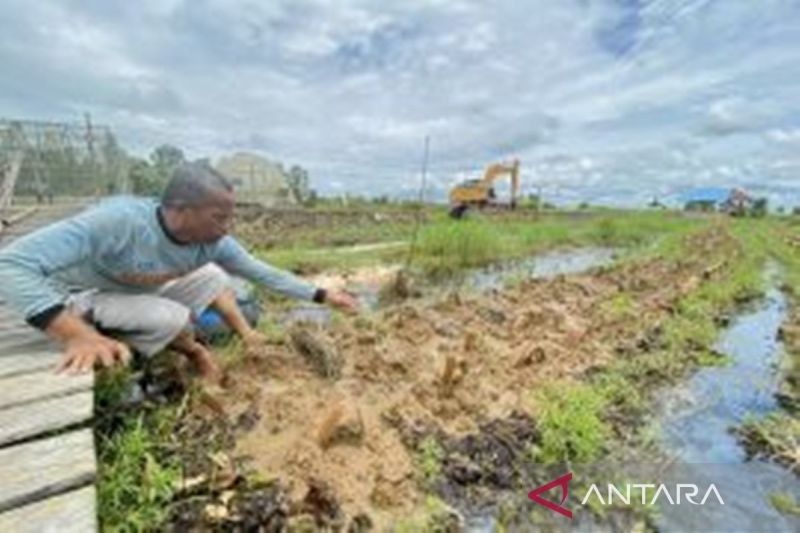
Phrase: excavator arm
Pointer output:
(498, 170)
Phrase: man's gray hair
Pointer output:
(192, 184)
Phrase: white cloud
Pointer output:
(592, 95)
(735, 114)
(785, 136)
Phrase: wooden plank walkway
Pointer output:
(47, 455)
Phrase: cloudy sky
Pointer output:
(611, 101)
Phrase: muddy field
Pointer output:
(347, 410)
(271, 227)
(440, 409)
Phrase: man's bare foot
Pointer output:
(205, 365)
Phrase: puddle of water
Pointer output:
(545, 265)
(366, 293)
(310, 314)
(696, 419)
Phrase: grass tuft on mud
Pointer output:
(785, 503)
(571, 424)
(138, 476)
(775, 437)
(137, 473)
(455, 245)
(429, 459)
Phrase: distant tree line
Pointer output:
(72, 171)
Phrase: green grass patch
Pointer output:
(430, 455)
(776, 436)
(571, 424)
(136, 482)
(138, 475)
(139, 467)
(306, 259)
(620, 306)
(433, 515)
(444, 246)
(785, 503)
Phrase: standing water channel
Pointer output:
(541, 266)
(696, 420)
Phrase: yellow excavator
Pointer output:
(480, 192)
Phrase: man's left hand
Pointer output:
(342, 300)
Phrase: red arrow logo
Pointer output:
(562, 482)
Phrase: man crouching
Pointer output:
(136, 272)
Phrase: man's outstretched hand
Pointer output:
(342, 300)
(84, 346)
(82, 353)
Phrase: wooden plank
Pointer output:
(9, 323)
(33, 471)
(26, 388)
(20, 335)
(30, 420)
(12, 364)
(19, 331)
(19, 216)
(24, 340)
(10, 329)
(10, 320)
(73, 512)
(29, 344)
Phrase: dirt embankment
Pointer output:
(452, 367)
(269, 227)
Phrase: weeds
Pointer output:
(456, 245)
(777, 437)
(435, 515)
(571, 424)
(445, 246)
(137, 477)
(429, 459)
(785, 503)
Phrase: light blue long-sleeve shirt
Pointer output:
(119, 245)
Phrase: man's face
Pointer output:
(211, 220)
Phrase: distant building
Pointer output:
(738, 202)
(708, 199)
(257, 179)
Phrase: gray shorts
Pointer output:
(149, 322)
